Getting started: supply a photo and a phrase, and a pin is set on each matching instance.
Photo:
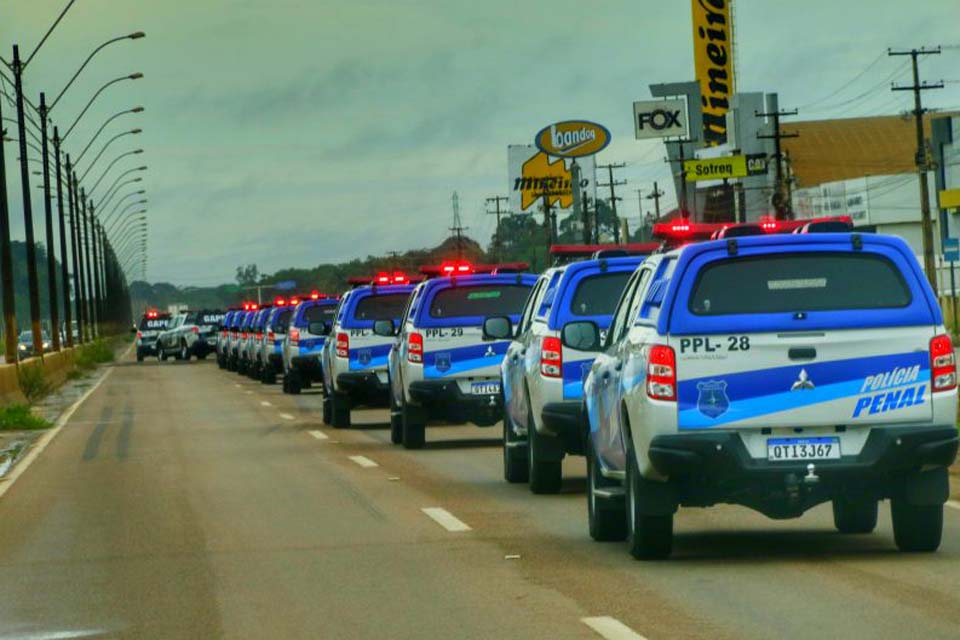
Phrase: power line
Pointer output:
(846, 85)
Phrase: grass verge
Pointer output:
(93, 353)
(18, 417)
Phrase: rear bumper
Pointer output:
(363, 387)
(307, 366)
(565, 420)
(715, 467)
(444, 399)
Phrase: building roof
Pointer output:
(841, 149)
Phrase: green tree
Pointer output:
(248, 275)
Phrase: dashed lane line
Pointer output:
(364, 462)
(264, 403)
(446, 519)
(611, 628)
(287, 416)
(319, 435)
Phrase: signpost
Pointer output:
(726, 167)
(951, 253)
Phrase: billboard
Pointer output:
(660, 119)
(572, 139)
(533, 175)
(726, 167)
(713, 63)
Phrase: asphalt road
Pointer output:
(181, 501)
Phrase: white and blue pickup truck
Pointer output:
(442, 366)
(777, 372)
(354, 361)
(542, 379)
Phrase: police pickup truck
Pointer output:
(776, 372)
(354, 362)
(223, 337)
(190, 333)
(542, 379)
(442, 367)
(270, 352)
(310, 323)
(151, 325)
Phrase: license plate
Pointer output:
(794, 449)
(485, 388)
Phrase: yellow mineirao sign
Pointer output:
(713, 63)
(544, 178)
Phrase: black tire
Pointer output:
(327, 411)
(414, 426)
(269, 375)
(396, 422)
(139, 356)
(855, 516)
(545, 476)
(916, 528)
(293, 382)
(184, 353)
(648, 537)
(607, 516)
(516, 464)
(340, 410)
(161, 355)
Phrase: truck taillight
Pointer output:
(943, 363)
(294, 337)
(662, 373)
(415, 349)
(271, 335)
(551, 357)
(195, 329)
(139, 335)
(343, 345)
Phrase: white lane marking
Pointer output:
(264, 403)
(238, 386)
(954, 504)
(48, 437)
(249, 393)
(611, 628)
(319, 435)
(364, 462)
(446, 519)
(287, 416)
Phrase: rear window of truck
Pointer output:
(384, 307)
(482, 300)
(319, 313)
(799, 282)
(598, 295)
(154, 324)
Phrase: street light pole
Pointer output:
(88, 272)
(64, 271)
(32, 280)
(48, 223)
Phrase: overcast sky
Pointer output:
(291, 133)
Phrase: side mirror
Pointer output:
(384, 328)
(318, 328)
(497, 328)
(582, 335)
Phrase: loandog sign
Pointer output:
(660, 119)
(572, 139)
(534, 176)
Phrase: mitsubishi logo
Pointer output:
(490, 352)
(803, 382)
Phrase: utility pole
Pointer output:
(613, 184)
(497, 240)
(6, 262)
(585, 213)
(923, 158)
(783, 200)
(655, 196)
(457, 227)
(681, 160)
(31, 248)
